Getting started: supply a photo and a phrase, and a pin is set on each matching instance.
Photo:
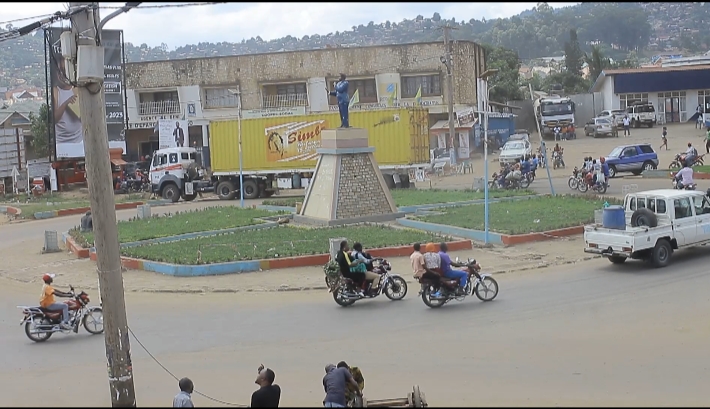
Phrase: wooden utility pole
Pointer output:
(98, 170)
(454, 140)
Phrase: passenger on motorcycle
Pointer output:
(358, 254)
(432, 259)
(684, 177)
(524, 166)
(346, 265)
(446, 264)
(46, 299)
(513, 175)
(417, 260)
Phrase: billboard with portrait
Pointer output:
(65, 117)
(173, 133)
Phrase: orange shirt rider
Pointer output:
(47, 301)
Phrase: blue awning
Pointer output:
(662, 81)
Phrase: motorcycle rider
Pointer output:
(524, 166)
(346, 264)
(691, 153)
(446, 264)
(370, 277)
(46, 299)
(514, 174)
(560, 150)
(684, 177)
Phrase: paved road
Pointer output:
(590, 334)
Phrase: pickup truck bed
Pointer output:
(623, 243)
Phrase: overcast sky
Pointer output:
(233, 22)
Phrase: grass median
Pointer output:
(533, 215)
(214, 218)
(284, 241)
(412, 197)
(56, 202)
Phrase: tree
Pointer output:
(596, 62)
(507, 79)
(39, 126)
(436, 17)
(573, 54)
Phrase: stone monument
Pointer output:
(347, 186)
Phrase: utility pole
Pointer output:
(98, 169)
(238, 94)
(454, 144)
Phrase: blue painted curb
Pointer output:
(235, 267)
(414, 208)
(477, 235)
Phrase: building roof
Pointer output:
(605, 73)
(23, 108)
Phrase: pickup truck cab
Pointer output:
(658, 222)
(642, 114)
(631, 158)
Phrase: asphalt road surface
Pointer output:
(581, 335)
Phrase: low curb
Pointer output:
(697, 175)
(80, 210)
(666, 174)
(494, 238)
(15, 211)
(242, 266)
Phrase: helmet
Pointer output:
(47, 278)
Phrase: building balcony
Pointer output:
(287, 100)
(158, 108)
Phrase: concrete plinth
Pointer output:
(347, 186)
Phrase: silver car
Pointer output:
(600, 127)
(514, 150)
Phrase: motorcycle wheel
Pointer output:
(340, 299)
(674, 165)
(572, 183)
(431, 303)
(396, 288)
(583, 186)
(524, 183)
(490, 286)
(38, 336)
(602, 189)
(699, 162)
(94, 318)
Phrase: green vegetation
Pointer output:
(523, 216)
(57, 202)
(39, 127)
(411, 197)
(704, 168)
(276, 242)
(214, 218)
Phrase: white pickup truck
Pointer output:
(657, 223)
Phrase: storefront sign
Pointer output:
(151, 121)
(383, 105)
(273, 112)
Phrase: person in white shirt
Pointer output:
(627, 124)
(684, 176)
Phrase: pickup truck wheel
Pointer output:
(612, 172)
(648, 165)
(171, 192)
(644, 218)
(251, 189)
(617, 259)
(661, 255)
(225, 190)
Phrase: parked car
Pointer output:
(642, 114)
(600, 127)
(616, 114)
(632, 158)
(515, 149)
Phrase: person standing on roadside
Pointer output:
(707, 140)
(627, 124)
(268, 395)
(335, 385)
(664, 138)
(184, 398)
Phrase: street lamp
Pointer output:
(238, 94)
(484, 81)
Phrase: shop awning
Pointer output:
(443, 126)
(118, 161)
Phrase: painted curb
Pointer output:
(15, 211)
(698, 175)
(80, 210)
(494, 238)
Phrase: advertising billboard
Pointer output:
(65, 118)
(172, 133)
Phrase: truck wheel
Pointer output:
(189, 198)
(661, 255)
(617, 259)
(171, 192)
(225, 190)
(644, 218)
(251, 189)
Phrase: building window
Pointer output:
(284, 95)
(704, 99)
(629, 99)
(158, 103)
(673, 106)
(367, 87)
(430, 84)
(220, 98)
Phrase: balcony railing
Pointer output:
(158, 108)
(288, 100)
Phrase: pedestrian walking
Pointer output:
(335, 385)
(268, 395)
(627, 124)
(707, 140)
(184, 398)
(664, 138)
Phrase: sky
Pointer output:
(232, 22)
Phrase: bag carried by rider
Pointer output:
(360, 268)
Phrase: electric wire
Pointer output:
(177, 379)
(2, 23)
(166, 6)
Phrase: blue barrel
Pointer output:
(613, 217)
(296, 179)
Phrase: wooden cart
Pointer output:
(414, 399)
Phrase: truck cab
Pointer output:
(658, 222)
(642, 113)
(174, 174)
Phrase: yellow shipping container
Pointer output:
(400, 137)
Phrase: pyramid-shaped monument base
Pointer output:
(348, 186)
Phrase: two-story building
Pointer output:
(201, 90)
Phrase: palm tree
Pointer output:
(596, 62)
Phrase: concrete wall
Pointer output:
(526, 116)
(587, 107)
(584, 106)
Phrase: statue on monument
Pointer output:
(341, 93)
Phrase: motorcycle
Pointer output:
(680, 159)
(679, 186)
(437, 290)
(345, 291)
(40, 323)
(556, 160)
(588, 183)
(576, 179)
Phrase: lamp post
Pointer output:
(238, 94)
(484, 82)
